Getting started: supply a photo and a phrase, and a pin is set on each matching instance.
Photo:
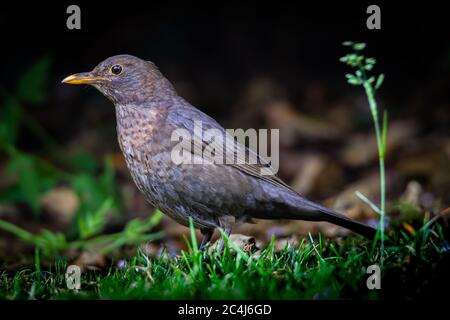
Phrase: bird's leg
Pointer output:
(207, 235)
(226, 223)
(221, 242)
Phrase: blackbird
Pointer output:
(214, 194)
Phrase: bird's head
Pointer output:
(125, 79)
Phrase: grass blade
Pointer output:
(193, 236)
(366, 200)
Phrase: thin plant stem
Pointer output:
(381, 151)
(362, 64)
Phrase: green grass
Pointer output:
(414, 266)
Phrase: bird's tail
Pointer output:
(342, 220)
(348, 223)
(294, 206)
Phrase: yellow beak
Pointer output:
(83, 78)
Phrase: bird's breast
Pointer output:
(140, 136)
(135, 125)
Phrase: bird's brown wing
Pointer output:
(185, 118)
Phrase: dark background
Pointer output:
(218, 47)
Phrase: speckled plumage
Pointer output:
(148, 110)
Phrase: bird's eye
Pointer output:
(116, 69)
